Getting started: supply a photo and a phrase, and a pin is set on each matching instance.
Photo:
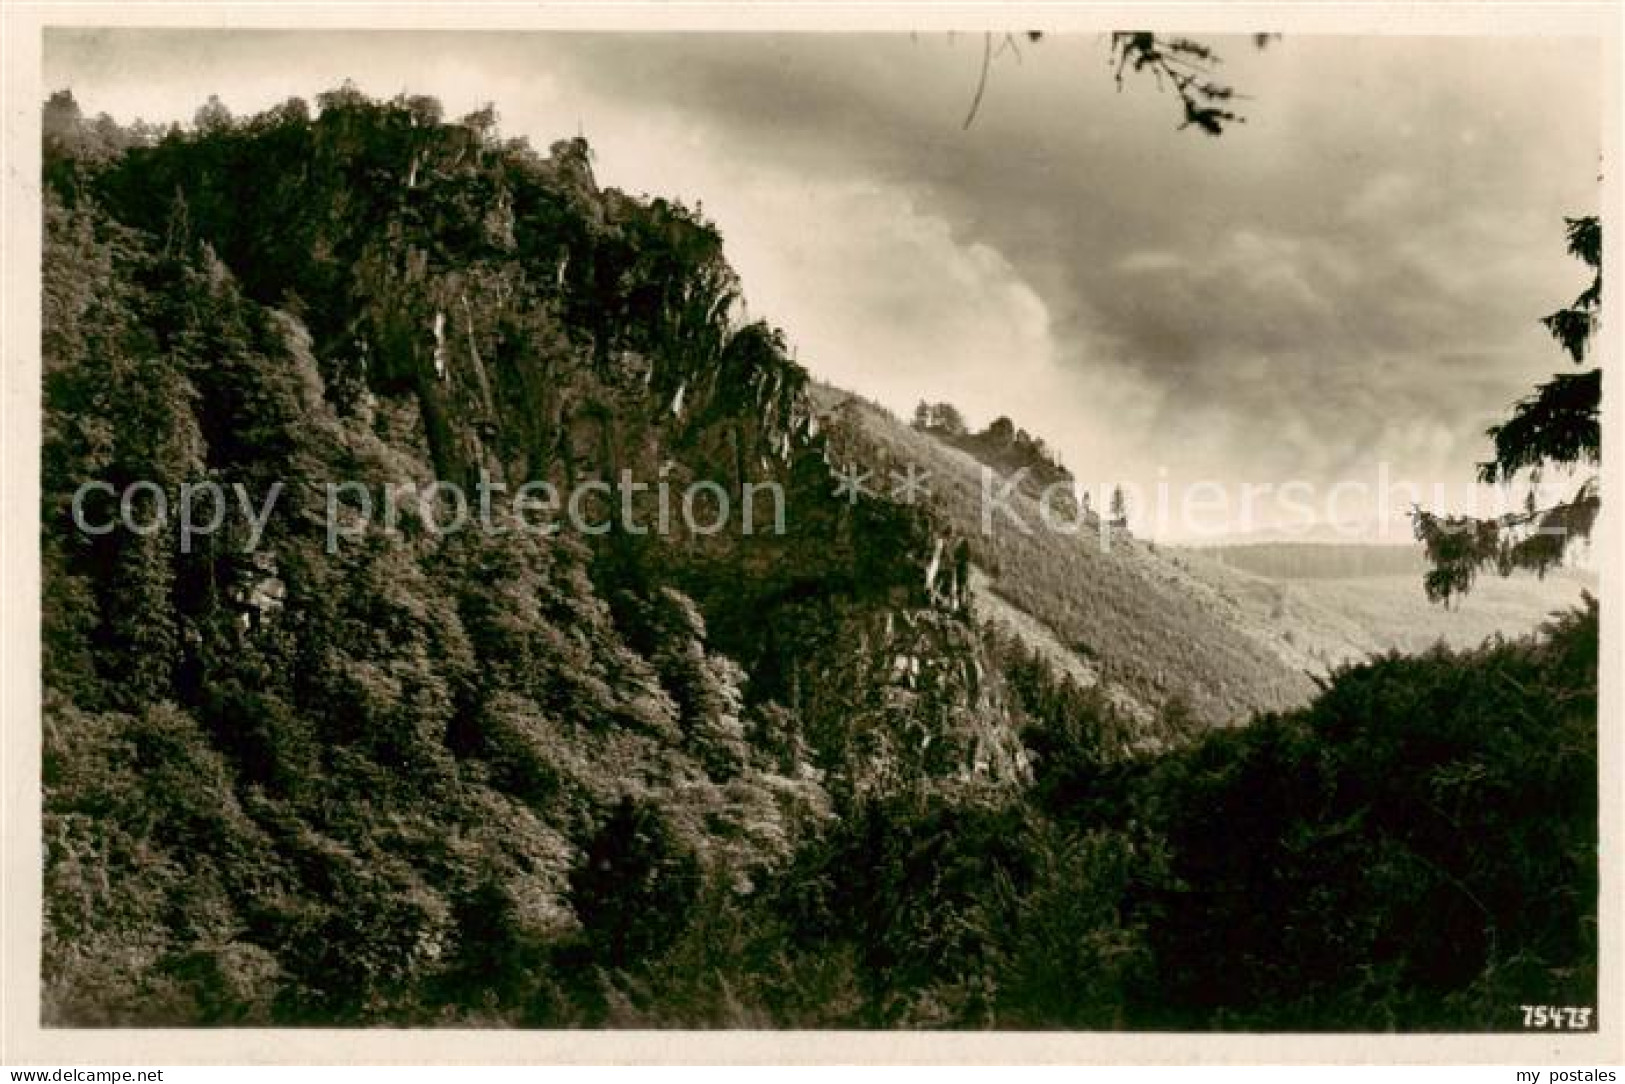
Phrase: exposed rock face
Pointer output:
(914, 700)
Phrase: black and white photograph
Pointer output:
(886, 528)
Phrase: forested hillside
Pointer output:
(495, 777)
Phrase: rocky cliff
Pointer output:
(374, 297)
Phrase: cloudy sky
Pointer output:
(1348, 283)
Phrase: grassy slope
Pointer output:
(1147, 628)
(1151, 623)
(1327, 619)
(1395, 612)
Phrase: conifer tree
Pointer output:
(1556, 427)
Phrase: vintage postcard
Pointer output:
(747, 533)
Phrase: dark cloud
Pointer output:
(1352, 276)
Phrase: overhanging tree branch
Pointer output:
(1558, 425)
(1185, 65)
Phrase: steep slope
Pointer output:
(1228, 629)
(1125, 615)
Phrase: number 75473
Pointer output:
(1557, 1017)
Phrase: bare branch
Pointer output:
(981, 84)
